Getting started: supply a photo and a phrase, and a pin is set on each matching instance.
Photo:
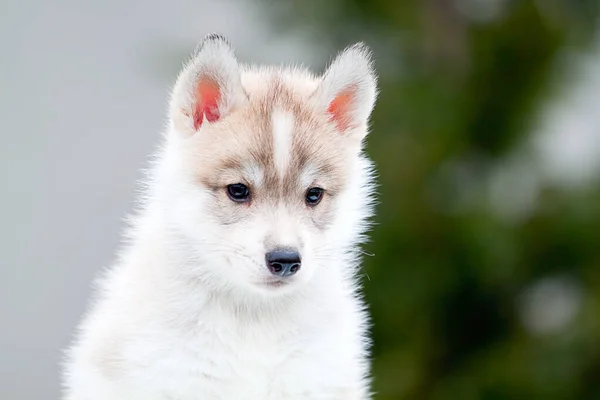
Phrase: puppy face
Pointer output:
(266, 162)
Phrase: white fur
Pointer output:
(308, 176)
(283, 123)
(253, 173)
(174, 321)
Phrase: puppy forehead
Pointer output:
(274, 142)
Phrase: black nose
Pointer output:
(283, 262)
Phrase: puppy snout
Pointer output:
(283, 262)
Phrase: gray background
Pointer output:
(83, 89)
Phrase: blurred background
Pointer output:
(485, 277)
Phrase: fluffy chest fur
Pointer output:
(226, 360)
(167, 347)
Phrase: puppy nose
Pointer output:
(283, 262)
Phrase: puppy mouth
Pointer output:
(275, 283)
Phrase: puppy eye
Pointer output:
(238, 192)
(314, 196)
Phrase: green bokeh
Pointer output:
(459, 96)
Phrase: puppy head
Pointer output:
(266, 183)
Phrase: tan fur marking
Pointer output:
(222, 154)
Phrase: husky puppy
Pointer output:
(239, 276)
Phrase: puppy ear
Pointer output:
(208, 88)
(348, 90)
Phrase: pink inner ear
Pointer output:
(208, 95)
(340, 109)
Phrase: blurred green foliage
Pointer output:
(447, 282)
